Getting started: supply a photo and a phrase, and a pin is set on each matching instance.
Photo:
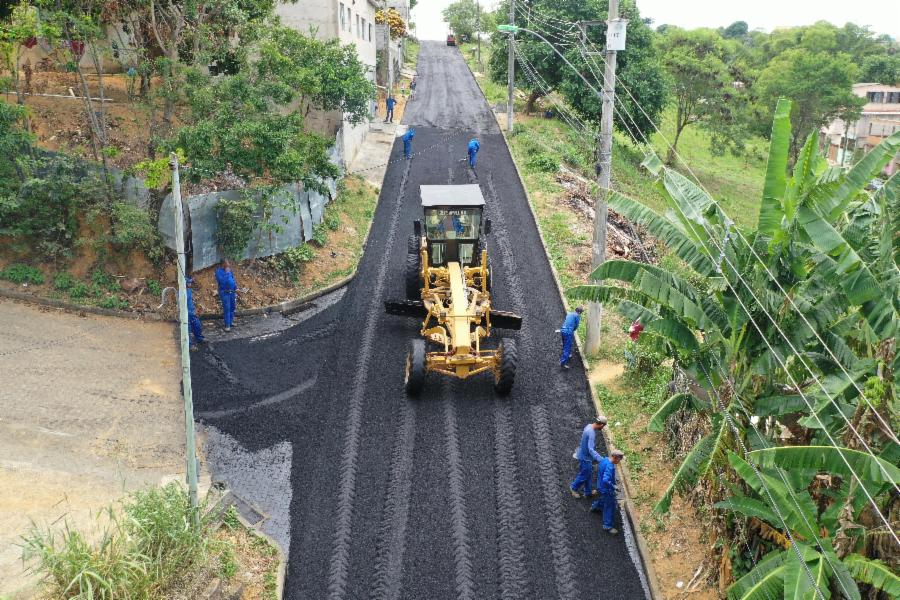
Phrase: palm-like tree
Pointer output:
(789, 320)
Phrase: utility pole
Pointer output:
(190, 449)
(478, 29)
(510, 69)
(615, 40)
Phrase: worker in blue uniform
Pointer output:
(567, 331)
(606, 485)
(473, 149)
(389, 104)
(227, 292)
(194, 325)
(587, 454)
(407, 143)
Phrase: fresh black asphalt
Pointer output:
(458, 494)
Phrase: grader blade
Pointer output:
(405, 308)
(505, 320)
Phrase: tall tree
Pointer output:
(462, 17)
(819, 84)
(738, 29)
(702, 85)
(639, 69)
(881, 68)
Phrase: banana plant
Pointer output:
(832, 249)
(807, 563)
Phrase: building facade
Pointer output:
(880, 118)
(351, 22)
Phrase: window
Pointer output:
(349, 22)
(370, 32)
(343, 20)
(357, 25)
(363, 35)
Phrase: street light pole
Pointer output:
(190, 450)
(510, 69)
(604, 167)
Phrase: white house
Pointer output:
(351, 22)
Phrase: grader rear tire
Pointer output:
(413, 277)
(509, 358)
(415, 368)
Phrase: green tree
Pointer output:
(881, 68)
(702, 86)
(462, 17)
(253, 122)
(819, 85)
(639, 67)
(738, 29)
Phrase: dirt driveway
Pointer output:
(89, 408)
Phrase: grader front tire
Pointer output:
(509, 359)
(415, 368)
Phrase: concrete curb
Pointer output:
(644, 551)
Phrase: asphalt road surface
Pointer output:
(455, 495)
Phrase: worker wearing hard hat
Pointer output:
(587, 454)
(606, 485)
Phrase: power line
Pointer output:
(794, 350)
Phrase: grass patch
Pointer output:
(148, 548)
(410, 53)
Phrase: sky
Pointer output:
(882, 15)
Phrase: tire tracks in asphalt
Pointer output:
(340, 558)
(392, 536)
(550, 481)
(465, 580)
(510, 536)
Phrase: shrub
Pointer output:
(235, 226)
(332, 220)
(154, 287)
(78, 290)
(641, 359)
(132, 229)
(46, 207)
(19, 273)
(103, 280)
(291, 261)
(64, 281)
(113, 302)
(544, 162)
(139, 551)
(320, 234)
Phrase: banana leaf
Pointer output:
(874, 573)
(764, 582)
(830, 459)
(770, 209)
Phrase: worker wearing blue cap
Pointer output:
(193, 320)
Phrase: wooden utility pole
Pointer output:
(615, 40)
(190, 445)
(510, 70)
(478, 30)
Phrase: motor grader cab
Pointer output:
(448, 286)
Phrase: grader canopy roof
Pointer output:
(451, 195)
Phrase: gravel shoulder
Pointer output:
(90, 408)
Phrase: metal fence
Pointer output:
(289, 228)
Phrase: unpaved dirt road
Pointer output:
(455, 495)
(89, 408)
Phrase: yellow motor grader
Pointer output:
(448, 286)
